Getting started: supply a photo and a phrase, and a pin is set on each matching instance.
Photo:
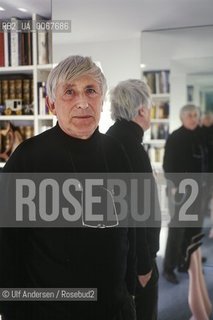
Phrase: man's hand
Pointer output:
(144, 279)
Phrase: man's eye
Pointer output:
(91, 91)
(69, 92)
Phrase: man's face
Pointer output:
(190, 120)
(78, 106)
(207, 121)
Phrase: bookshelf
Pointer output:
(23, 88)
(155, 137)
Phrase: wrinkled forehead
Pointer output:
(83, 81)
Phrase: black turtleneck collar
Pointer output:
(129, 129)
(190, 132)
(77, 143)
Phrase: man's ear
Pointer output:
(141, 111)
(51, 105)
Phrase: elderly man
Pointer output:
(130, 108)
(68, 257)
(185, 152)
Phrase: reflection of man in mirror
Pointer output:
(185, 152)
(130, 108)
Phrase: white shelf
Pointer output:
(13, 118)
(160, 95)
(17, 70)
(46, 117)
(155, 141)
(45, 66)
(159, 120)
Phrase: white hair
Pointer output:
(71, 68)
(128, 97)
(189, 108)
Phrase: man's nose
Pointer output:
(82, 101)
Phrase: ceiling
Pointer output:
(95, 20)
(41, 7)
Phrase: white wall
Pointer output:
(119, 59)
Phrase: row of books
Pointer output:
(16, 87)
(16, 48)
(160, 110)
(158, 81)
(159, 131)
(22, 89)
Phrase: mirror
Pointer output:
(188, 54)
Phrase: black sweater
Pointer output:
(130, 135)
(63, 257)
(186, 151)
(208, 136)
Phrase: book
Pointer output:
(150, 80)
(29, 48)
(160, 109)
(15, 42)
(18, 88)
(159, 131)
(4, 90)
(24, 56)
(2, 60)
(31, 91)
(42, 47)
(26, 92)
(6, 49)
(42, 109)
(0, 94)
(50, 57)
(12, 93)
(158, 81)
(164, 81)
